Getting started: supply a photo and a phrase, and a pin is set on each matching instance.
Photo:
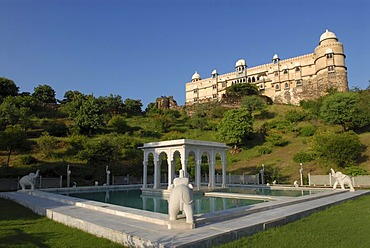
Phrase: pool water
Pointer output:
(133, 198)
(269, 192)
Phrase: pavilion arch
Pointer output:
(184, 148)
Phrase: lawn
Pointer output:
(20, 227)
(345, 225)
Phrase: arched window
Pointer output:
(277, 87)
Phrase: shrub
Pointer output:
(264, 150)
(302, 157)
(28, 159)
(47, 144)
(276, 139)
(76, 143)
(172, 135)
(307, 131)
(294, 116)
(339, 148)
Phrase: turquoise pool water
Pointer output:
(269, 192)
(133, 198)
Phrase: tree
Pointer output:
(345, 109)
(13, 138)
(242, 90)
(45, 94)
(133, 107)
(90, 115)
(119, 124)
(235, 126)
(12, 113)
(339, 148)
(112, 105)
(7, 88)
(72, 102)
(252, 103)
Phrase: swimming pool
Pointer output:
(269, 191)
(133, 198)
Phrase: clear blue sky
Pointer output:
(145, 49)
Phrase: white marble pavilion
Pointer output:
(184, 148)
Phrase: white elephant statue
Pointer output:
(342, 180)
(181, 198)
(29, 180)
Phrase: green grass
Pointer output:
(20, 227)
(345, 225)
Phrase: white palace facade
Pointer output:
(285, 81)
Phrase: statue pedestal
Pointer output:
(180, 224)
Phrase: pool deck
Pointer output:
(137, 228)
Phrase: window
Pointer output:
(298, 82)
(195, 99)
(224, 84)
(276, 73)
(277, 87)
(285, 71)
(214, 96)
(286, 86)
(214, 86)
(329, 55)
(195, 91)
(331, 68)
(297, 69)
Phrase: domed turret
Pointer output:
(240, 62)
(327, 35)
(196, 77)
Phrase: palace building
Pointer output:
(286, 81)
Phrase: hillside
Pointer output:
(77, 150)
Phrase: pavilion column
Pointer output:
(212, 173)
(184, 164)
(157, 174)
(223, 161)
(145, 173)
(171, 168)
(198, 174)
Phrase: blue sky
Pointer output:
(145, 49)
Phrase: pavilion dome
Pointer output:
(275, 56)
(214, 72)
(328, 35)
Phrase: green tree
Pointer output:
(90, 116)
(345, 109)
(44, 93)
(242, 90)
(253, 102)
(72, 102)
(132, 107)
(13, 138)
(235, 126)
(112, 105)
(338, 148)
(119, 124)
(7, 88)
(12, 113)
